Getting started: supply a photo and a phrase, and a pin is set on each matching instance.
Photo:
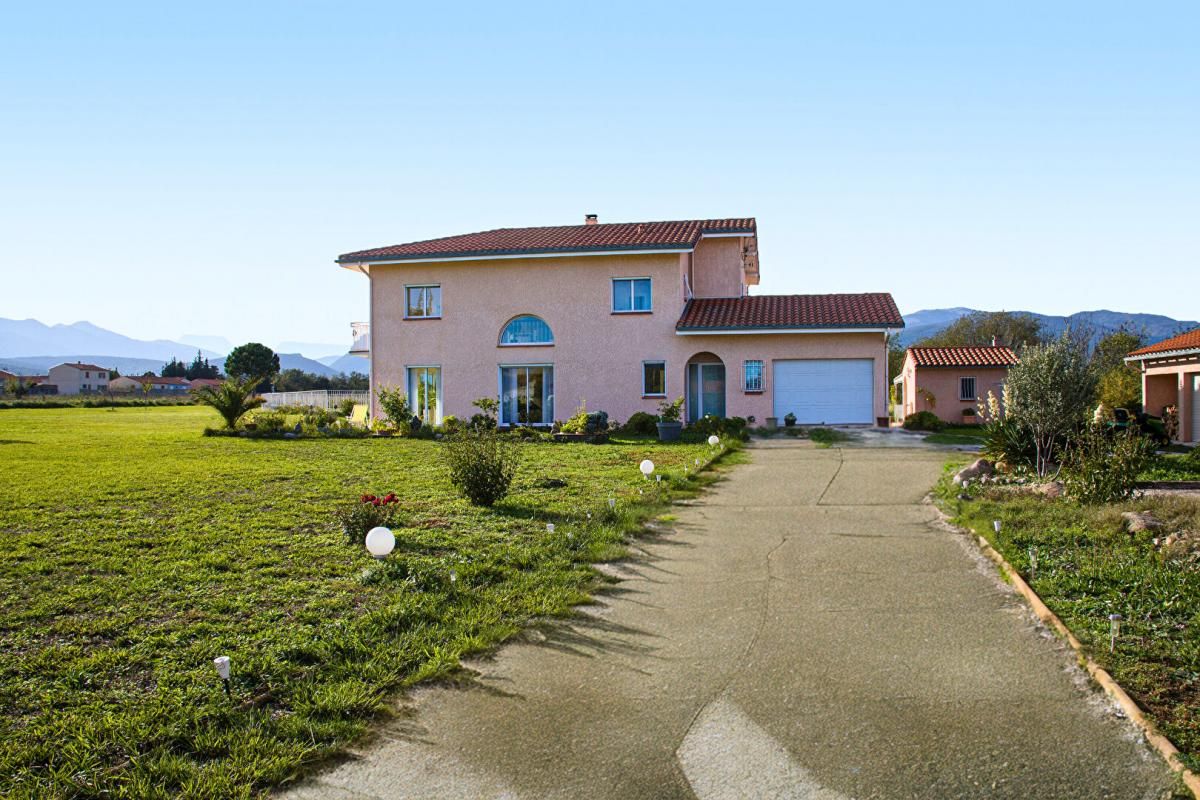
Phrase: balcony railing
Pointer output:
(361, 331)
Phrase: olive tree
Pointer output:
(1052, 388)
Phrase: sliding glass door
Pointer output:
(425, 393)
(527, 395)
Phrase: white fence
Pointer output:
(322, 398)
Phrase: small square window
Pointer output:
(630, 295)
(423, 302)
(654, 378)
(753, 372)
(966, 389)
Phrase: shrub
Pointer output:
(485, 420)
(1102, 466)
(232, 399)
(584, 422)
(1052, 389)
(270, 422)
(789, 419)
(368, 512)
(451, 425)
(923, 421)
(482, 465)
(346, 407)
(641, 424)
(1006, 442)
(733, 427)
(670, 410)
(393, 402)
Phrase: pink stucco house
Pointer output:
(1171, 377)
(950, 380)
(617, 316)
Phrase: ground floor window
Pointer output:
(654, 378)
(966, 389)
(425, 393)
(752, 375)
(527, 395)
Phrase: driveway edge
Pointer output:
(1164, 746)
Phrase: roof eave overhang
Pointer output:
(356, 262)
(1185, 352)
(726, 331)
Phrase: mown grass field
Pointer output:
(1088, 567)
(135, 551)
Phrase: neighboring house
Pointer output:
(949, 380)
(197, 383)
(138, 383)
(1171, 377)
(620, 316)
(79, 378)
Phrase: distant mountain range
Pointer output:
(29, 347)
(923, 324)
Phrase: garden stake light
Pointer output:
(1032, 562)
(549, 527)
(1114, 630)
(996, 525)
(221, 664)
(612, 504)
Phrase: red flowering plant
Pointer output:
(371, 511)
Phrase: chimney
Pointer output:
(993, 341)
(590, 219)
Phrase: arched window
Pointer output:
(526, 329)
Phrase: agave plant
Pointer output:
(232, 399)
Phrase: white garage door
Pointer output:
(829, 392)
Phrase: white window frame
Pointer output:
(663, 364)
(631, 310)
(501, 343)
(500, 393)
(408, 305)
(762, 375)
(974, 385)
(412, 400)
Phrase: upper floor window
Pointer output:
(752, 372)
(630, 294)
(526, 329)
(422, 302)
(966, 388)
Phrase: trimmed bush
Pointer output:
(733, 427)
(641, 424)
(482, 466)
(923, 421)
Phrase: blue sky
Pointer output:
(174, 171)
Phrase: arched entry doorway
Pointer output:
(705, 386)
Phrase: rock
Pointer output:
(980, 468)
(1138, 521)
(1051, 489)
(291, 436)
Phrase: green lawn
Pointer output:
(135, 551)
(1088, 567)
(958, 434)
(1173, 467)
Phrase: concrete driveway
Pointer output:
(804, 632)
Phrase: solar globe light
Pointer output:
(647, 467)
(380, 542)
(714, 440)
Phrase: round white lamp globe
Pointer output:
(646, 467)
(380, 542)
(713, 440)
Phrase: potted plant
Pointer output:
(669, 426)
(968, 415)
(790, 419)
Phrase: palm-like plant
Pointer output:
(232, 399)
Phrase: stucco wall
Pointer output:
(1172, 383)
(717, 268)
(70, 380)
(597, 355)
(942, 384)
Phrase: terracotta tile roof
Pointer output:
(197, 382)
(792, 311)
(681, 235)
(1184, 341)
(158, 380)
(6, 375)
(91, 367)
(963, 356)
